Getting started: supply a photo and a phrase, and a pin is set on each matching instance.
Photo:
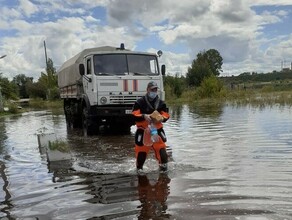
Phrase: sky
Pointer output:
(250, 35)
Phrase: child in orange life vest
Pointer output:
(142, 110)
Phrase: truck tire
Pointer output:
(73, 120)
(89, 126)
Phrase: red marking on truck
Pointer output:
(125, 85)
(135, 85)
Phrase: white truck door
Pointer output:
(88, 81)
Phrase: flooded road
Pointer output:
(227, 162)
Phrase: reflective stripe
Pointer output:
(139, 138)
(125, 85)
(135, 85)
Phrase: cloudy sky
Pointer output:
(250, 35)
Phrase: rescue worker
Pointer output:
(142, 110)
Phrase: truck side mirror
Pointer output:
(163, 70)
(81, 69)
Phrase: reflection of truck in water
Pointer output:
(100, 85)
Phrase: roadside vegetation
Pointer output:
(59, 145)
(43, 93)
(202, 83)
(217, 89)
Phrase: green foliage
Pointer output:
(36, 90)
(207, 63)
(21, 81)
(197, 73)
(54, 93)
(268, 88)
(59, 145)
(190, 95)
(214, 60)
(13, 108)
(49, 81)
(211, 87)
(248, 77)
(174, 85)
(41, 103)
(47, 85)
(8, 89)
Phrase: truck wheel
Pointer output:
(89, 127)
(73, 121)
(68, 121)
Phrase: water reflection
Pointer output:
(6, 204)
(207, 110)
(176, 112)
(115, 189)
(3, 137)
(153, 195)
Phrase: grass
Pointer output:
(265, 96)
(45, 104)
(54, 105)
(59, 145)
(265, 99)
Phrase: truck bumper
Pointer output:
(114, 115)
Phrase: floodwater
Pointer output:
(226, 162)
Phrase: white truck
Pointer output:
(100, 85)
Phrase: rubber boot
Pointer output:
(140, 160)
(164, 160)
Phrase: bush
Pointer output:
(211, 87)
(268, 88)
(54, 93)
(59, 145)
(174, 86)
(13, 108)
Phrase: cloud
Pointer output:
(27, 7)
(181, 31)
(237, 29)
(64, 38)
(7, 14)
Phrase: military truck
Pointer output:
(100, 85)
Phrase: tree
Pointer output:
(20, 81)
(214, 60)
(36, 90)
(49, 81)
(8, 89)
(175, 84)
(207, 63)
(52, 79)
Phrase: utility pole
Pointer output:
(46, 57)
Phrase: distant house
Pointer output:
(285, 69)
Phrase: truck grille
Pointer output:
(123, 99)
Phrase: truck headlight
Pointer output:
(103, 100)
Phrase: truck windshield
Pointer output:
(124, 64)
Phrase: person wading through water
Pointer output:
(150, 111)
